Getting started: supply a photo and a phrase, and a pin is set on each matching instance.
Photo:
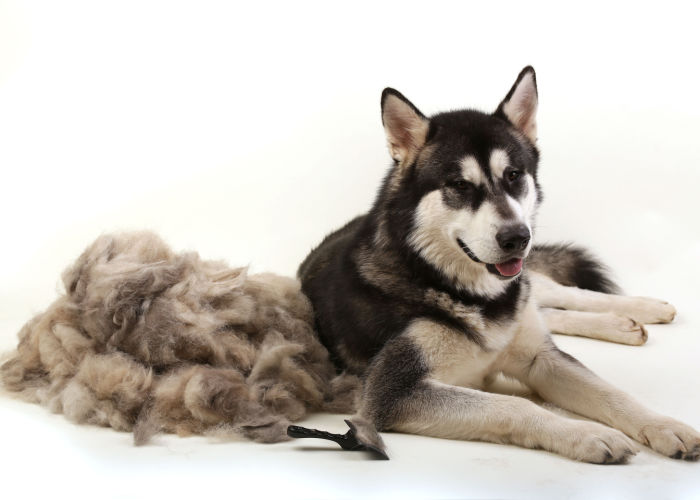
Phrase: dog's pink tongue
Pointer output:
(510, 267)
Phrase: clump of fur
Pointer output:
(148, 340)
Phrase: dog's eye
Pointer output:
(513, 175)
(462, 185)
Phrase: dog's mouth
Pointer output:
(506, 269)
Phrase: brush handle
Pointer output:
(346, 441)
(296, 431)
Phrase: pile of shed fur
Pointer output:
(147, 340)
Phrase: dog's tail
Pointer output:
(571, 265)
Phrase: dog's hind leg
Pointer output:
(602, 326)
(549, 293)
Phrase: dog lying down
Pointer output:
(422, 302)
(147, 340)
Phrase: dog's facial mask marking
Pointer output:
(498, 230)
(476, 176)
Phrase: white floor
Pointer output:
(44, 454)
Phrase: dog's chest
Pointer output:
(454, 358)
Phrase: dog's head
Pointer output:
(472, 177)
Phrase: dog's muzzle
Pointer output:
(505, 270)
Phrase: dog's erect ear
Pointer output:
(520, 105)
(406, 128)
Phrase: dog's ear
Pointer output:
(405, 126)
(520, 104)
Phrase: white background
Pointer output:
(248, 131)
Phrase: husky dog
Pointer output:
(439, 288)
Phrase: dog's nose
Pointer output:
(513, 237)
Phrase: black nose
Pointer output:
(515, 237)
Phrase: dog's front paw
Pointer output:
(598, 444)
(672, 438)
(650, 311)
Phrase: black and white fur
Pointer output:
(439, 288)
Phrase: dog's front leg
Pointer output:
(559, 378)
(400, 394)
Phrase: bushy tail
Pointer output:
(571, 265)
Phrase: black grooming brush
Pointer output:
(348, 441)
